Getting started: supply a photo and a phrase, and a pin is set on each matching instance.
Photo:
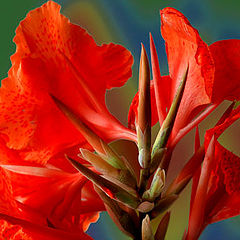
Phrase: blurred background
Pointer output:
(128, 22)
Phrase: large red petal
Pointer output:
(59, 58)
(185, 47)
(226, 56)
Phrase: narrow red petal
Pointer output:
(196, 176)
(197, 214)
(160, 92)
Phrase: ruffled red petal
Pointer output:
(185, 47)
(59, 58)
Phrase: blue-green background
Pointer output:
(129, 22)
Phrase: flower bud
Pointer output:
(147, 233)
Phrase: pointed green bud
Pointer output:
(143, 125)
(142, 156)
(156, 187)
(98, 163)
(166, 128)
(111, 156)
(144, 107)
(147, 233)
(113, 190)
(102, 166)
(162, 227)
(144, 111)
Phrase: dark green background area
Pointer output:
(11, 12)
(129, 22)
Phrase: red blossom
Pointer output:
(58, 71)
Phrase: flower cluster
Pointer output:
(57, 169)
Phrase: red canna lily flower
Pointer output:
(216, 192)
(52, 110)
(60, 59)
(209, 69)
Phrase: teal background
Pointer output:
(129, 22)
